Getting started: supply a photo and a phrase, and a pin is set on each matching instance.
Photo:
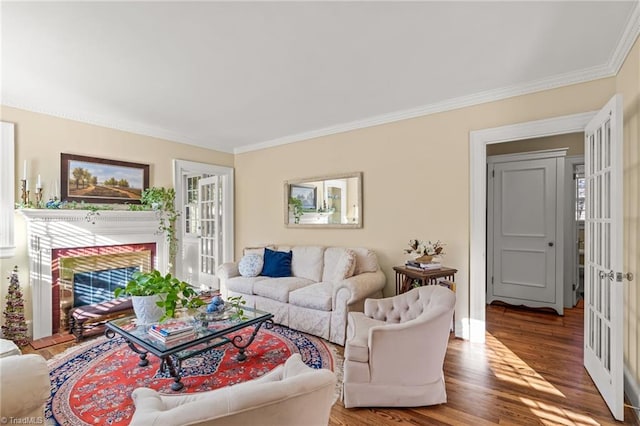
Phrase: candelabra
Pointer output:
(25, 193)
(39, 197)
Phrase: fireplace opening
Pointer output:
(99, 286)
(89, 275)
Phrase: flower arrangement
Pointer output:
(422, 248)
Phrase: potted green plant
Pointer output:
(295, 205)
(156, 297)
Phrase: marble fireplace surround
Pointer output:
(66, 229)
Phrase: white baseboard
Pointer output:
(632, 390)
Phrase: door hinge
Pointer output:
(491, 280)
(493, 173)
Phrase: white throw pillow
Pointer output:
(250, 265)
(345, 266)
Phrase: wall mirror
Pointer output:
(332, 201)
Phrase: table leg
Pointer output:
(406, 284)
(143, 354)
(237, 340)
(175, 368)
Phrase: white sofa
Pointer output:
(326, 284)
(292, 394)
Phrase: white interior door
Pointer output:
(525, 215)
(211, 236)
(603, 325)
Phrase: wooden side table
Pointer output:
(406, 276)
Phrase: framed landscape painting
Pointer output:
(306, 194)
(96, 180)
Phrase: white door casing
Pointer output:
(473, 322)
(525, 229)
(603, 321)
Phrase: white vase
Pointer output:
(146, 309)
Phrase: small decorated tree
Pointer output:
(15, 326)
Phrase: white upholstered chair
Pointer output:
(395, 350)
(291, 394)
(24, 383)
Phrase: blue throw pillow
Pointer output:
(276, 263)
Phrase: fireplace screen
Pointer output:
(98, 286)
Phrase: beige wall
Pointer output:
(40, 139)
(415, 178)
(573, 141)
(628, 84)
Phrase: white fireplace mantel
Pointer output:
(49, 229)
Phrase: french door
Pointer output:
(603, 321)
(204, 194)
(210, 232)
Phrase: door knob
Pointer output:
(550, 243)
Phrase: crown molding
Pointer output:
(582, 76)
(629, 36)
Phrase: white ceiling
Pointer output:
(237, 76)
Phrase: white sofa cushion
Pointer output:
(307, 262)
(314, 296)
(243, 284)
(339, 264)
(279, 288)
(366, 260)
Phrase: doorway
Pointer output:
(204, 197)
(474, 327)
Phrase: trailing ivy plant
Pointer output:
(162, 200)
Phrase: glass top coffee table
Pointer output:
(209, 333)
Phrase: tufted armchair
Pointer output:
(395, 350)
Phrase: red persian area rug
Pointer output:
(91, 384)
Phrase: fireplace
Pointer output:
(85, 275)
(66, 243)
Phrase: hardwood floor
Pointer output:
(528, 372)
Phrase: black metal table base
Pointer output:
(173, 363)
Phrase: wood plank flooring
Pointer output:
(529, 372)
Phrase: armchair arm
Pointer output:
(25, 386)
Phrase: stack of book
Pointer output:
(172, 331)
(419, 266)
